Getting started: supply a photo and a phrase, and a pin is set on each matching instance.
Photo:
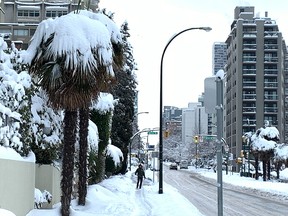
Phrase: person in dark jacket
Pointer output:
(140, 174)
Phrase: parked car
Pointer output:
(173, 166)
(183, 164)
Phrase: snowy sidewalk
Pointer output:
(118, 196)
(147, 201)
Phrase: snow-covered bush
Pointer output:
(114, 159)
(15, 105)
(41, 197)
(46, 129)
(26, 119)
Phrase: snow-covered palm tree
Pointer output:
(280, 157)
(263, 143)
(72, 58)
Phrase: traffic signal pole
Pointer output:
(196, 140)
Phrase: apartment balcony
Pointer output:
(249, 84)
(249, 59)
(249, 122)
(270, 85)
(271, 72)
(271, 59)
(270, 109)
(249, 35)
(249, 97)
(270, 47)
(271, 34)
(249, 46)
(249, 72)
(249, 110)
(271, 97)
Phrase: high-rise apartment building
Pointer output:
(256, 54)
(286, 96)
(219, 56)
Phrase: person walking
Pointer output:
(140, 175)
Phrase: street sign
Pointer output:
(211, 137)
(210, 95)
(151, 147)
(152, 132)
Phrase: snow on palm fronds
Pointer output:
(265, 139)
(86, 48)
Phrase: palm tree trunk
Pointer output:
(256, 156)
(268, 169)
(278, 169)
(83, 133)
(264, 169)
(70, 126)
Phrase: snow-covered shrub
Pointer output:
(46, 129)
(41, 197)
(114, 159)
(101, 115)
(15, 103)
(26, 119)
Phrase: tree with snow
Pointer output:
(125, 92)
(71, 66)
(263, 143)
(101, 116)
(102, 86)
(280, 157)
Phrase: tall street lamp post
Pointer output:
(161, 105)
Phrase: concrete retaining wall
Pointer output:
(17, 183)
(48, 178)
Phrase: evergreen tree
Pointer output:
(100, 115)
(102, 120)
(125, 92)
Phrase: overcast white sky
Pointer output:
(188, 59)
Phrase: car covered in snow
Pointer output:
(173, 166)
(183, 164)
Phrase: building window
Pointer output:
(28, 13)
(32, 31)
(21, 32)
(53, 14)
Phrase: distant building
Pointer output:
(19, 19)
(219, 56)
(194, 122)
(172, 117)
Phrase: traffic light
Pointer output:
(195, 139)
(166, 133)
(238, 160)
